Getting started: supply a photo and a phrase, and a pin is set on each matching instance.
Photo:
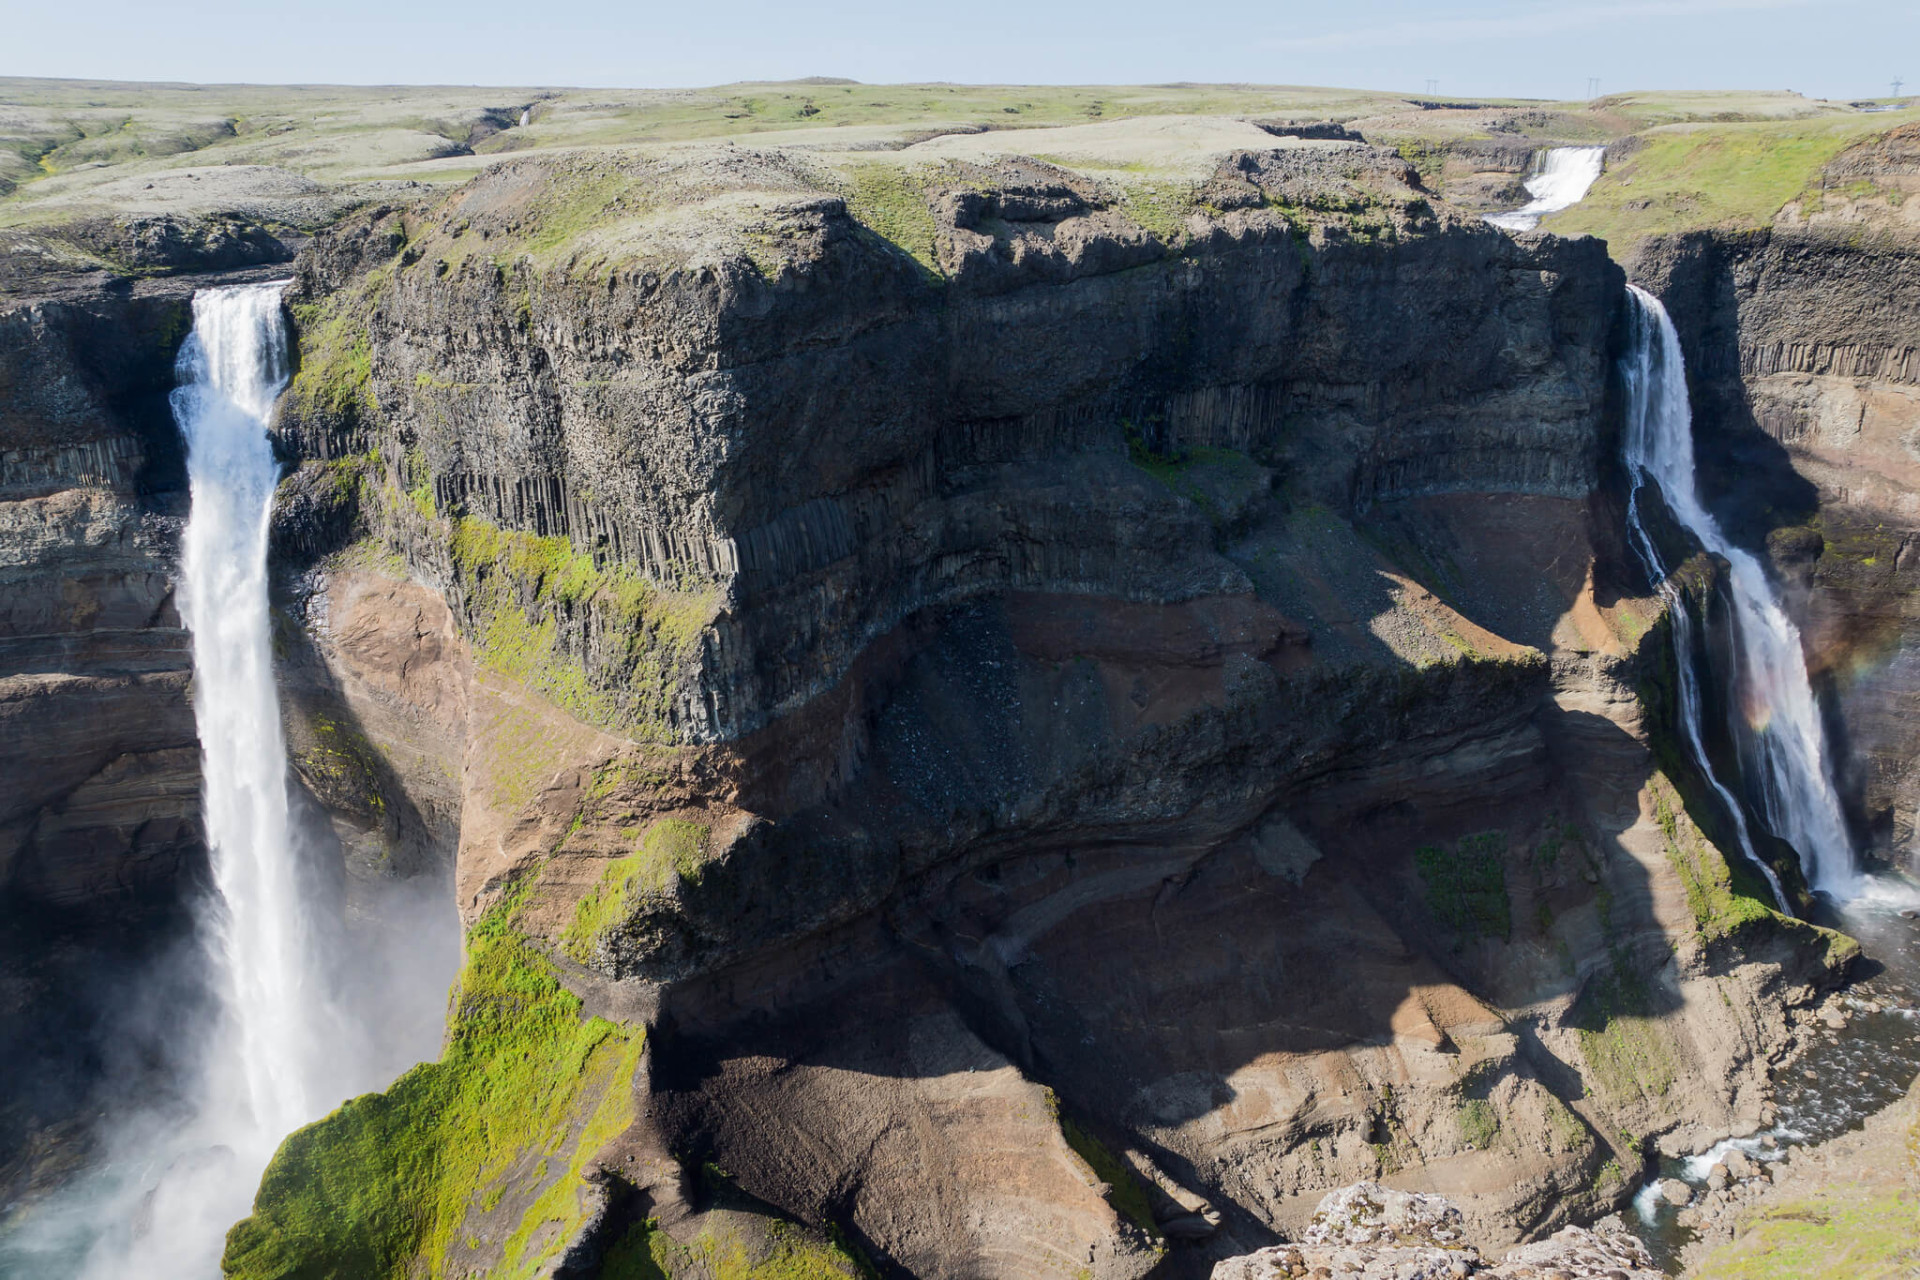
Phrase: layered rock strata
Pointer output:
(1072, 733)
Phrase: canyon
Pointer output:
(980, 716)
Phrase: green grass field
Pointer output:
(1732, 174)
(297, 155)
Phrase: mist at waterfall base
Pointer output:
(1561, 182)
(306, 1002)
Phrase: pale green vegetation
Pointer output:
(1730, 175)
(1860, 1237)
(392, 1184)
(672, 849)
(892, 201)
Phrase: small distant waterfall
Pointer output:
(1559, 183)
(1783, 741)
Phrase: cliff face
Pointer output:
(1087, 734)
(1803, 347)
(98, 821)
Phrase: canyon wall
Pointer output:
(1041, 748)
(99, 817)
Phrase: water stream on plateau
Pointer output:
(1560, 182)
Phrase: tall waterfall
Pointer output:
(320, 988)
(1783, 741)
(232, 369)
(1560, 183)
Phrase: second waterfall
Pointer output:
(1783, 741)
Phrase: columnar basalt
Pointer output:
(1117, 702)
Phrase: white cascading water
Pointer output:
(315, 1001)
(1560, 183)
(1785, 747)
(233, 368)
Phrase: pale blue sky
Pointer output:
(1535, 48)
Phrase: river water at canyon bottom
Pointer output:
(1840, 1078)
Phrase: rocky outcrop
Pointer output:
(1375, 1233)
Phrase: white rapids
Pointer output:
(1783, 740)
(1559, 183)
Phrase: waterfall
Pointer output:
(1559, 183)
(1783, 741)
(232, 369)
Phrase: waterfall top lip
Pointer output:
(244, 284)
(1561, 181)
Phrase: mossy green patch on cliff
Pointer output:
(892, 202)
(1479, 1124)
(342, 767)
(1221, 482)
(1719, 909)
(519, 590)
(502, 1126)
(1466, 886)
(731, 1246)
(334, 377)
(1628, 1050)
(1126, 1194)
(671, 849)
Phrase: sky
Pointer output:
(1514, 48)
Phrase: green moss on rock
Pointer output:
(1628, 1050)
(732, 1246)
(672, 849)
(502, 1127)
(1125, 1193)
(1467, 885)
(528, 600)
